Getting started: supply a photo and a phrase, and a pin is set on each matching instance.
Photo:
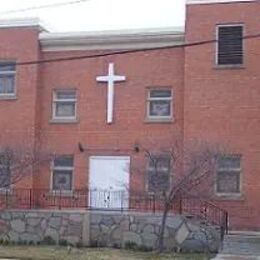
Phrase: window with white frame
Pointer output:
(228, 174)
(62, 173)
(5, 175)
(159, 173)
(159, 104)
(7, 78)
(64, 104)
(230, 44)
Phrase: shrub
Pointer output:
(6, 242)
(48, 240)
(31, 243)
(79, 245)
(63, 242)
(144, 248)
(93, 243)
(133, 246)
(19, 242)
(130, 245)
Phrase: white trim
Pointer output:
(104, 40)
(100, 157)
(192, 2)
(22, 22)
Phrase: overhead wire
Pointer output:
(121, 52)
(42, 7)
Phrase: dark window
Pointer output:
(159, 173)
(228, 174)
(62, 173)
(230, 45)
(7, 78)
(5, 176)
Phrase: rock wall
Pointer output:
(141, 230)
(44, 226)
(110, 229)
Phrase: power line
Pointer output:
(43, 7)
(92, 56)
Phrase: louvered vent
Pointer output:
(230, 45)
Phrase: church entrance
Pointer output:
(109, 182)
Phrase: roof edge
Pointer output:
(117, 39)
(22, 22)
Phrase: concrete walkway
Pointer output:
(236, 257)
(240, 246)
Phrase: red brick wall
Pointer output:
(142, 70)
(219, 105)
(222, 105)
(17, 121)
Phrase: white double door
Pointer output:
(109, 181)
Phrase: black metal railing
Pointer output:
(111, 200)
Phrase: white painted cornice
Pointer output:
(22, 22)
(104, 40)
(192, 2)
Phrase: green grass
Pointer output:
(62, 253)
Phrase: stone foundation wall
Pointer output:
(39, 226)
(142, 230)
(109, 229)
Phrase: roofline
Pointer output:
(192, 2)
(22, 22)
(117, 39)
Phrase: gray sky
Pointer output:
(101, 14)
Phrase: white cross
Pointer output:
(111, 78)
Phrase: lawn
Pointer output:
(63, 253)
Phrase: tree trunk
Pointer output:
(162, 229)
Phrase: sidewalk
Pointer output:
(236, 257)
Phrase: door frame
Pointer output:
(108, 157)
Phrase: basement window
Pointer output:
(5, 174)
(159, 173)
(228, 174)
(7, 79)
(230, 45)
(62, 173)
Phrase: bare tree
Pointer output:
(189, 170)
(18, 162)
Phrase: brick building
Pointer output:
(65, 104)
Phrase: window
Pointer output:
(7, 79)
(64, 104)
(159, 104)
(230, 45)
(5, 175)
(228, 174)
(62, 173)
(159, 173)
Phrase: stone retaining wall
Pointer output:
(39, 226)
(110, 229)
(142, 230)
